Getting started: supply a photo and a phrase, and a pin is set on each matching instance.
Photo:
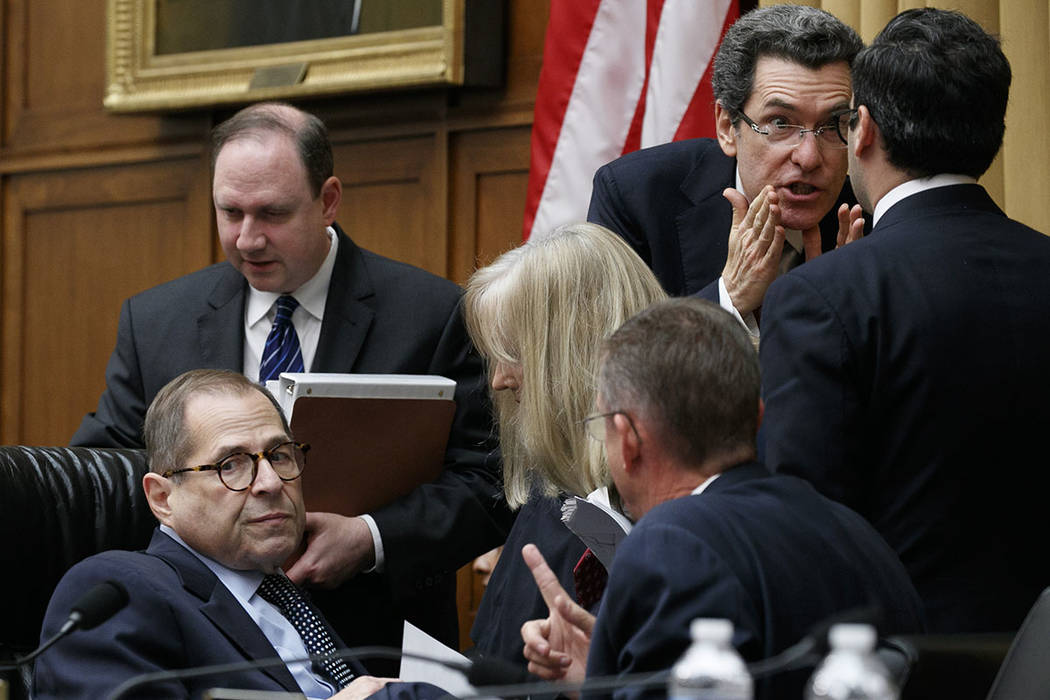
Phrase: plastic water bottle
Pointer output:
(852, 670)
(711, 668)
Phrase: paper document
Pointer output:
(416, 641)
(597, 524)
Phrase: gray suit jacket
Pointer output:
(381, 316)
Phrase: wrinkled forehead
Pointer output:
(781, 82)
(231, 421)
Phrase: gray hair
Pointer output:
(688, 368)
(805, 35)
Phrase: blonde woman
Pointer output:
(538, 315)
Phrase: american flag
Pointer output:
(617, 75)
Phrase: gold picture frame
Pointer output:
(138, 78)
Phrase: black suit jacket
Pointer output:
(381, 316)
(765, 551)
(667, 203)
(179, 616)
(511, 597)
(905, 375)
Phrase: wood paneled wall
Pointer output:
(96, 207)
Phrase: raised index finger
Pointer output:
(546, 581)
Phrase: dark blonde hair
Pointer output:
(547, 306)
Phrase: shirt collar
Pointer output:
(311, 295)
(791, 235)
(707, 482)
(242, 584)
(907, 189)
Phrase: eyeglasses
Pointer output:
(780, 133)
(237, 472)
(595, 425)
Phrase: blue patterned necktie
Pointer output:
(286, 597)
(282, 352)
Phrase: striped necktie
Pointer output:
(282, 352)
(286, 597)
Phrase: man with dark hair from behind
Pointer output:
(781, 84)
(904, 375)
(717, 535)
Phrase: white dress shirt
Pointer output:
(916, 186)
(260, 308)
(259, 311)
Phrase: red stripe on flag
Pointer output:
(652, 24)
(697, 120)
(568, 29)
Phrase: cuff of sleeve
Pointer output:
(377, 542)
(749, 323)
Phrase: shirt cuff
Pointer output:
(749, 323)
(377, 542)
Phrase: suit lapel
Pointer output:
(347, 315)
(703, 225)
(221, 327)
(219, 606)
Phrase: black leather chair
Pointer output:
(1025, 673)
(957, 666)
(59, 505)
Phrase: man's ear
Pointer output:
(630, 445)
(158, 490)
(331, 194)
(761, 413)
(865, 133)
(725, 129)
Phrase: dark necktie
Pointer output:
(282, 352)
(789, 259)
(590, 578)
(282, 593)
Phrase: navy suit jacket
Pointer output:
(667, 203)
(381, 316)
(765, 551)
(906, 376)
(178, 616)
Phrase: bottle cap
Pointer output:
(711, 629)
(851, 636)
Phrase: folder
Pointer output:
(373, 437)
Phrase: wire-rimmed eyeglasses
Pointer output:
(595, 425)
(778, 132)
(237, 472)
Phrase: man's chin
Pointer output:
(803, 218)
(265, 277)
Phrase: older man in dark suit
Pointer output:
(781, 83)
(224, 482)
(904, 375)
(290, 267)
